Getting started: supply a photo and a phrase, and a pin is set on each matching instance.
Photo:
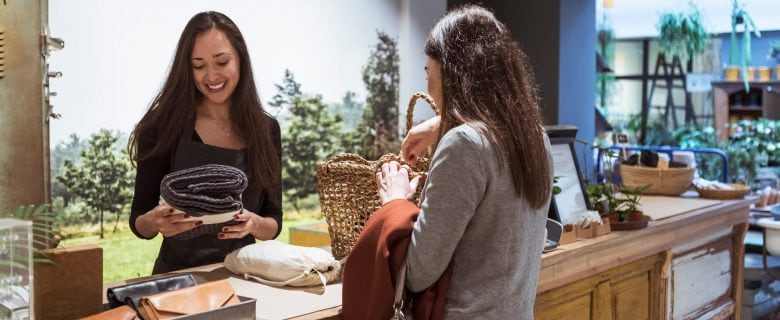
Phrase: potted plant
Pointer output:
(630, 209)
(774, 53)
(740, 17)
(604, 200)
(682, 34)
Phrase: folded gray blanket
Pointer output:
(204, 190)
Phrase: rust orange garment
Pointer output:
(368, 288)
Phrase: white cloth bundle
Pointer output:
(279, 264)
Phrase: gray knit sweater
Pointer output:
(471, 214)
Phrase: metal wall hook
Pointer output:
(55, 44)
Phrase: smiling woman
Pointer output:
(207, 113)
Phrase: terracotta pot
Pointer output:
(635, 216)
(751, 73)
(612, 217)
(764, 74)
(732, 73)
(777, 71)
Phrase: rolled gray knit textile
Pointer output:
(203, 190)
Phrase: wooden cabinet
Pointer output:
(631, 291)
(732, 103)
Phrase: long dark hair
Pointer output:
(174, 106)
(487, 84)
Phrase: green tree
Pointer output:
(65, 150)
(350, 110)
(284, 95)
(312, 135)
(103, 178)
(380, 116)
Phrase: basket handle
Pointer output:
(412, 102)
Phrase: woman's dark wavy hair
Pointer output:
(488, 84)
(175, 105)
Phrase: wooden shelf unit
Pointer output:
(732, 103)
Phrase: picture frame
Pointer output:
(572, 200)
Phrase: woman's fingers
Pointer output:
(379, 181)
(172, 229)
(413, 187)
(244, 227)
(409, 149)
(237, 231)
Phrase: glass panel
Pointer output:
(628, 58)
(625, 102)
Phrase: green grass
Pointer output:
(125, 256)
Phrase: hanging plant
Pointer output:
(774, 51)
(682, 34)
(740, 17)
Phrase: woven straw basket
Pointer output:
(739, 192)
(670, 182)
(348, 191)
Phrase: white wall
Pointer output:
(117, 52)
(417, 19)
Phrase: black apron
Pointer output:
(176, 254)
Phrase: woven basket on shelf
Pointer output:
(739, 191)
(348, 193)
(671, 181)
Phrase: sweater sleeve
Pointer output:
(149, 174)
(456, 185)
(272, 205)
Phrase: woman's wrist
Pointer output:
(265, 228)
(144, 226)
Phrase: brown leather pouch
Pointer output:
(120, 313)
(191, 300)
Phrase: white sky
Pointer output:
(638, 18)
(117, 53)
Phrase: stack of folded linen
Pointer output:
(209, 193)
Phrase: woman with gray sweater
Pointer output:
(484, 204)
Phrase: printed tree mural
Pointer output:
(379, 125)
(103, 179)
(312, 135)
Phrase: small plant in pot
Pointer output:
(604, 200)
(630, 208)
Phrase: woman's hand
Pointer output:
(250, 223)
(393, 182)
(420, 137)
(165, 220)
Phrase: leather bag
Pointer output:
(130, 294)
(121, 313)
(191, 300)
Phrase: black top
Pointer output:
(190, 152)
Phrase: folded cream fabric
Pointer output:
(209, 193)
(279, 264)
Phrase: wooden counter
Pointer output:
(687, 266)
